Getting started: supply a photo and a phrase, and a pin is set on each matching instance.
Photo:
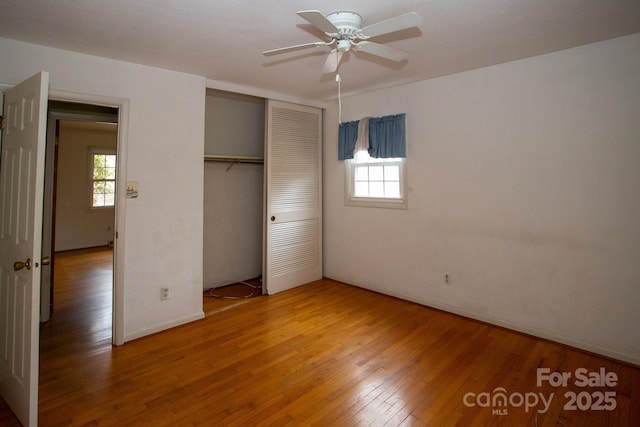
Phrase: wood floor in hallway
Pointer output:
(326, 354)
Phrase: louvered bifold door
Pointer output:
(293, 213)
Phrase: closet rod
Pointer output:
(233, 159)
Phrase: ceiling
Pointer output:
(223, 40)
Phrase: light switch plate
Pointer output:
(132, 189)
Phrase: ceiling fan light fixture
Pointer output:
(344, 45)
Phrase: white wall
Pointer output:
(524, 186)
(77, 225)
(234, 125)
(163, 238)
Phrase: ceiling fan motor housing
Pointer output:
(347, 22)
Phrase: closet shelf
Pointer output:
(233, 159)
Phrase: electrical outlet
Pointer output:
(164, 293)
(447, 279)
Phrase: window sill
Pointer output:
(369, 202)
(101, 208)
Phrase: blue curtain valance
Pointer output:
(387, 137)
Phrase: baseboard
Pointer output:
(164, 326)
(591, 348)
(82, 248)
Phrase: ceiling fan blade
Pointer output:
(318, 20)
(382, 50)
(292, 48)
(402, 22)
(332, 62)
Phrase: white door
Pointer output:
(21, 192)
(293, 179)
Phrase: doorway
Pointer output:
(80, 189)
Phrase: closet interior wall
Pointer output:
(233, 190)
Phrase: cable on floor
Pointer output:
(253, 293)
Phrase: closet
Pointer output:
(233, 188)
(262, 192)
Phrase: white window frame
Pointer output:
(376, 202)
(92, 152)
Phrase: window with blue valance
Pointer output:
(387, 137)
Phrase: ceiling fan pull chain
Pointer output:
(338, 79)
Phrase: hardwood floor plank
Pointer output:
(322, 354)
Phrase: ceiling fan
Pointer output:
(344, 32)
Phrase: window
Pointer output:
(376, 182)
(374, 151)
(103, 178)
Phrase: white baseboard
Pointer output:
(164, 326)
(613, 354)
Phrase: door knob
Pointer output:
(19, 265)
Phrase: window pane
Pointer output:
(109, 187)
(376, 189)
(361, 157)
(98, 165)
(362, 173)
(109, 173)
(109, 199)
(110, 161)
(98, 200)
(392, 189)
(376, 173)
(364, 157)
(98, 172)
(361, 189)
(98, 187)
(392, 173)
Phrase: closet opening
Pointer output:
(233, 240)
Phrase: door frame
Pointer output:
(48, 219)
(122, 104)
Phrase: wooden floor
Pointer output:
(322, 354)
